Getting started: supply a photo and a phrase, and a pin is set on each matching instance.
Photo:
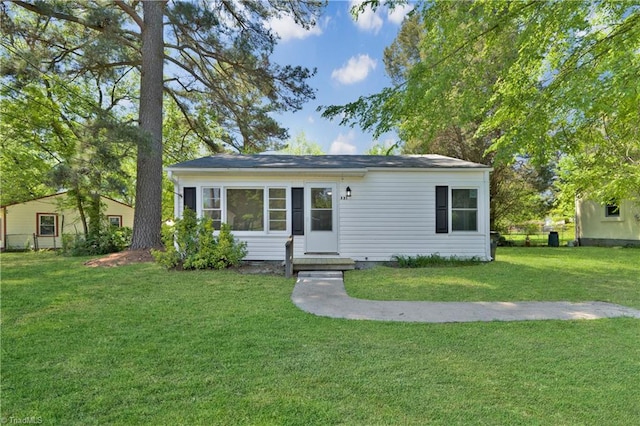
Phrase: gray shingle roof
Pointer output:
(232, 161)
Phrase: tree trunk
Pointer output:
(147, 219)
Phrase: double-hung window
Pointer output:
(115, 221)
(47, 224)
(212, 206)
(277, 209)
(459, 204)
(464, 209)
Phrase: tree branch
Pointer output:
(131, 12)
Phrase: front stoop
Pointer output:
(323, 264)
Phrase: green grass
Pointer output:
(137, 344)
(519, 274)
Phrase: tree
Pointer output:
(300, 145)
(449, 121)
(384, 149)
(563, 82)
(218, 56)
(64, 143)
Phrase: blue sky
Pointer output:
(348, 58)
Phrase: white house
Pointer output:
(360, 207)
(41, 222)
(607, 225)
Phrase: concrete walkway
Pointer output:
(323, 294)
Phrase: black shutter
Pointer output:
(297, 211)
(442, 209)
(190, 198)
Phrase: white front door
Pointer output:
(321, 225)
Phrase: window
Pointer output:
(612, 210)
(321, 209)
(277, 209)
(245, 209)
(115, 221)
(47, 224)
(464, 209)
(211, 206)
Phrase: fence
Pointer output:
(537, 236)
(17, 242)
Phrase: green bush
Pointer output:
(190, 244)
(422, 261)
(111, 239)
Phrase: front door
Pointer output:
(321, 225)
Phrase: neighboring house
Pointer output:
(607, 225)
(40, 223)
(360, 207)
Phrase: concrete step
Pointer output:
(323, 264)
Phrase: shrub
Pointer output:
(433, 260)
(190, 244)
(111, 239)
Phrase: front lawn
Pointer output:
(519, 274)
(137, 344)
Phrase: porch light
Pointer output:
(348, 192)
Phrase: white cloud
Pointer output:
(397, 15)
(368, 20)
(311, 120)
(355, 70)
(343, 144)
(287, 29)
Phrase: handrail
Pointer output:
(288, 257)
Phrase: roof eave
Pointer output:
(297, 171)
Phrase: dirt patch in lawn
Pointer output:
(126, 257)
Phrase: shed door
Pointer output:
(321, 234)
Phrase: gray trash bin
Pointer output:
(495, 237)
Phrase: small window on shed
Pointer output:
(612, 210)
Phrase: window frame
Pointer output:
(115, 216)
(225, 204)
(219, 209)
(39, 217)
(464, 209)
(269, 209)
(266, 210)
(608, 213)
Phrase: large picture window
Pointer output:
(245, 209)
(464, 209)
(211, 206)
(47, 225)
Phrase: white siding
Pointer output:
(390, 212)
(394, 214)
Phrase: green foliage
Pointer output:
(433, 260)
(222, 84)
(190, 244)
(110, 239)
(534, 79)
(300, 145)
